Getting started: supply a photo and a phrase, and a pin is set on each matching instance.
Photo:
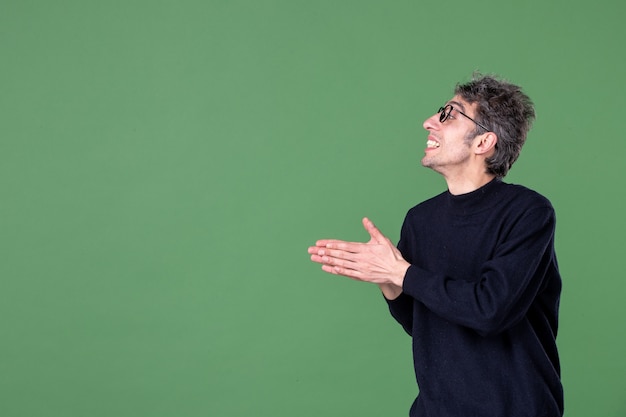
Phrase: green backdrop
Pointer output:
(165, 164)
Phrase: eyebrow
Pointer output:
(457, 104)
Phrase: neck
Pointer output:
(467, 184)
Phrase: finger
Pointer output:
(335, 261)
(317, 258)
(320, 244)
(335, 253)
(318, 250)
(346, 272)
(324, 242)
(373, 231)
(352, 247)
(332, 260)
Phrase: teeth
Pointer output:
(432, 144)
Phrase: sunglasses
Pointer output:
(444, 113)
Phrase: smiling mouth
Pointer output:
(432, 144)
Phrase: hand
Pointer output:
(377, 261)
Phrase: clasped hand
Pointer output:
(377, 261)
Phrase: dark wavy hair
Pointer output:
(504, 109)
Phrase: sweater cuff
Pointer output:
(414, 282)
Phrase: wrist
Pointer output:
(398, 280)
(390, 291)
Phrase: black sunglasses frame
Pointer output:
(443, 115)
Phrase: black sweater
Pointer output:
(481, 300)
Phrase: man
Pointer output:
(474, 279)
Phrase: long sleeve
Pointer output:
(507, 285)
(401, 308)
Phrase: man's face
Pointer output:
(448, 149)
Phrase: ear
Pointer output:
(485, 144)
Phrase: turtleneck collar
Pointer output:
(474, 201)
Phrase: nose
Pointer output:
(432, 122)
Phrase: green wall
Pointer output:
(165, 164)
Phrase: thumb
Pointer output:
(375, 234)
